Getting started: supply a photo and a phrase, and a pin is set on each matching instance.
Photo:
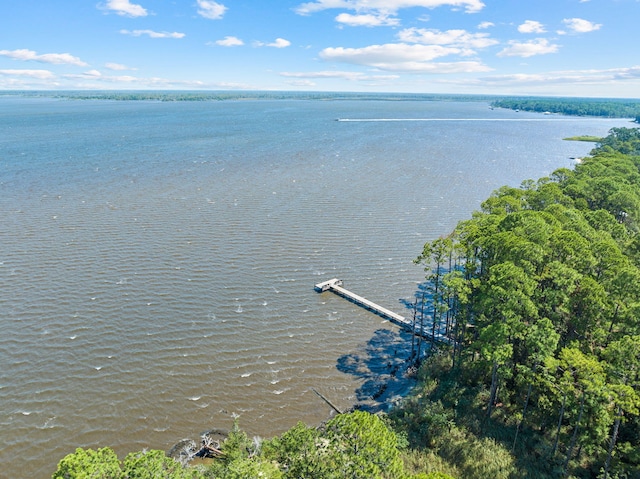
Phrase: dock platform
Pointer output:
(322, 287)
(335, 285)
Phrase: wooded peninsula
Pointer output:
(539, 294)
(609, 107)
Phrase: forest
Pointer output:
(539, 293)
(541, 290)
(609, 108)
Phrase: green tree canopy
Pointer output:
(90, 464)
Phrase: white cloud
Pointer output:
(343, 75)
(626, 73)
(579, 25)
(93, 73)
(456, 38)
(387, 53)
(211, 10)
(485, 25)
(531, 26)
(124, 8)
(37, 74)
(152, 34)
(54, 58)
(402, 57)
(117, 67)
(93, 79)
(386, 6)
(367, 20)
(97, 76)
(539, 46)
(229, 41)
(443, 67)
(306, 79)
(301, 83)
(278, 43)
(570, 77)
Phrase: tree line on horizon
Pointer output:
(221, 95)
(539, 292)
(609, 108)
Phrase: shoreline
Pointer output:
(388, 377)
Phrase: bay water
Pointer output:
(157, 259)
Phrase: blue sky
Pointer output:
(530, 47)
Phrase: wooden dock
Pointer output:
(327, 285)
(335, 285)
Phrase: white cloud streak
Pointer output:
(98, 76)
(571, 77)
(211, 10)
(54, 58)
(93, 78)
(539, 46)
(152, 34)
(117, 67)
(124, 8)
(401, 57)
(278, 43)
(455, 38)
(37, 74)
(386, 6)
(229, 41)
(301, 83)
(343, 75)
(367, 20)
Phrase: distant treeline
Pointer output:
(240, 95)
(610, 108)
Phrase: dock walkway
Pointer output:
(335, 285)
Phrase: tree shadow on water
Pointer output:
(382, 365)
(422, 303)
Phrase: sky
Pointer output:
(585, 48)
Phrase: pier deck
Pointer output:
(321, 287)
(335, 285)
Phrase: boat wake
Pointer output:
(378, 120)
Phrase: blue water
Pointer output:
(158, 258)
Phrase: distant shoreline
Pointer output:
(220, 95)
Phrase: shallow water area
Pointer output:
(158, 259)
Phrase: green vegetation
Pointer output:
(610, 108)
(545, 295)
(539, 292)
(357, 445)
(104, 464)
(591, 139)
